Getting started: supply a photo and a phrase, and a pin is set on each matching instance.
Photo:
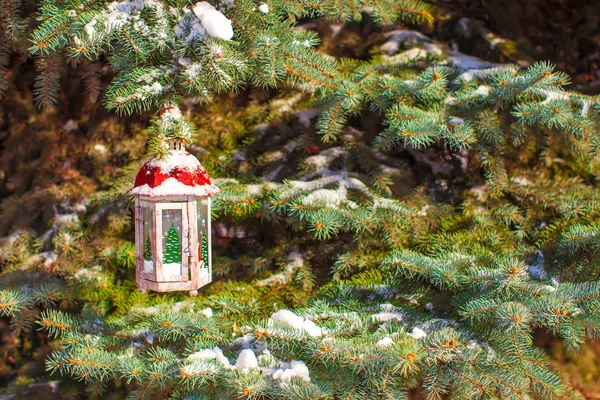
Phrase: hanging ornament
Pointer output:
(172, 223)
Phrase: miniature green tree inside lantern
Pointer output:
(147, 250)
(173, 247)
(204, 252)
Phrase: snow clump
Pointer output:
(289, 318)
(297, 369)
(215, 23)
(246, 359)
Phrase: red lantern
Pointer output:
(172, 223)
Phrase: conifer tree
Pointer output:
(172, 251)
(147, 250)
(204, 251)
(441, 229)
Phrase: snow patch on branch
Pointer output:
(325, 158)
(553, 94)
(483, 90)
(189, 27)
(289, 318)
(297, 369)
(385, 316)
(385, 342)
(388, 313)
(418, 333)
(215, 23)
(215, 354)
(172, 187)
(246, 360)
(207, 312)
(537, 269)
(293, 262)
(397, 37)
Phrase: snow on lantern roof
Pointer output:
(179, 174)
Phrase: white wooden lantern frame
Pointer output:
(194, 273)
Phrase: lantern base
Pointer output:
(204, 278)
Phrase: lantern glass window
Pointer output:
(172, 243)
(204, 244)
(148, 237)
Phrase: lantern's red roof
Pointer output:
(179, 174)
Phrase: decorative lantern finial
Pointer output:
(172, 222)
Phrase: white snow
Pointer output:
(61, 219)
(150, 310)
(192, 70)
(423, 211)
(180, 305)
(293, 262)
(483, 90)
(172, 269)
(172, 187)
(149, 337)
(215, 23)
(305, 116)
(397, 37)
(553, 94)
(172, 112)
(190, 24)
(184, 61)
(156, 87)
(177, 159)
(120, 13)
(263, 8)
(311, 328)
(586, 108)
(412, 55)
(456, 121)
(388, 313)
(324, 158)
(550, 289)
(195, 368)
(466, 62)
(289, 318)
(451, 100)
(207, 312)
(246, 359)
(148, 266)
(521, 180)
(537, 270)
(388, 316)
(70, 125)
(385, 342)
(100, 148)
(418, 333)
(150, 76)
(216, 354)
(128, 354)
(272, 156)
(467, 76)
(306, 43)
(332, 198)
(297, 369)
(89, 27)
